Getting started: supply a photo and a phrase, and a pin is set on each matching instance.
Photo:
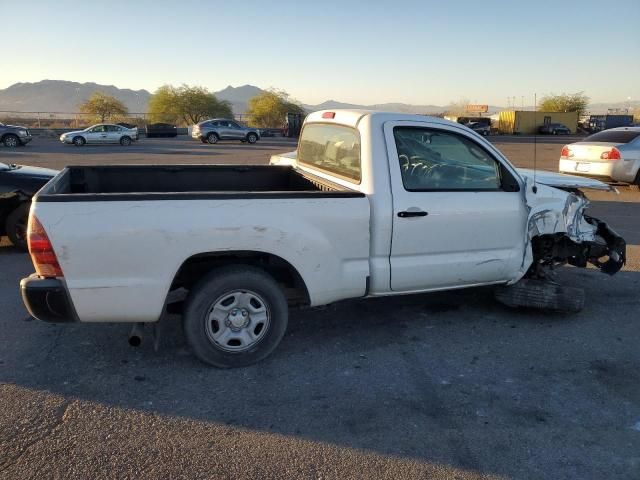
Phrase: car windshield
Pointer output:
(613, 136)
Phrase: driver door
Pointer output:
(97, 134)
(459, 218)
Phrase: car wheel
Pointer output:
(125, 141)
(235, 316)
(16, 226)
(11, 141)
(252, 138)
(213, 138)
(79, 141)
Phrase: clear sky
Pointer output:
(420, 52)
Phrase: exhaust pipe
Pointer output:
(135, 336)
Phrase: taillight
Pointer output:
(613, 154)
(329, 115)
(566, 152)
(42, 255)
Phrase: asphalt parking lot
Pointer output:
(447, 385)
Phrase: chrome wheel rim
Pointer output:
(252, 139)
(11, 142)
(237, 321)
(213, 139)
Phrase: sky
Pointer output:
(419, 52)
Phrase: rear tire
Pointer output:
(79, 141)
(11, 141)
(213, 138)
(211, 325)
(125, 141)
(252, 138)
(16, 226)
(542, 295)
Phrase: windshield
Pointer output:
(613, 136)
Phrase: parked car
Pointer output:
(613, 154)
(372, 204)
(212, 131)
(480, 128)
(554, 129)
(18, 183)
(13, 136)
(161, 130)
(101, 134)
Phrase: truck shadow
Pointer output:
(449, 378)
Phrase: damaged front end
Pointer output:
(560, 233)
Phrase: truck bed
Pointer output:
(157, 182)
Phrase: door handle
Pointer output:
(412, 213)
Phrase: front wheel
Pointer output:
(235, 316)
(212, 138)
(79, 141)
(125, 141)
(252, 138)
(11, 141)
(16, 226)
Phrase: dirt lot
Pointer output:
(449, 385)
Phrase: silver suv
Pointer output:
(212, 131)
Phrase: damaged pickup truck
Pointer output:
(370, 204)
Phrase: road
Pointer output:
(447, 385)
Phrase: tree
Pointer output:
(103, 106)
(186, 105)
(269, 108)
(457, 109)
(574, 102)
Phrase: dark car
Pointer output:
(161, 130)
(18, 183)
(480, 128)
(554, 129)
(13, 136)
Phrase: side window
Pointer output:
(439, 160)
(98, 129)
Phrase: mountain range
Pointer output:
(65, 96)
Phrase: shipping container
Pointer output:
(528, 122)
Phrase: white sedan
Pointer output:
(612, 154)
(101, 134)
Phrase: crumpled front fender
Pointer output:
(556, 211)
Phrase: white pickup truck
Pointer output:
(371, 204)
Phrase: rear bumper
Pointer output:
(618, 170)
(47, 299)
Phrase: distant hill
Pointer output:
(64, 96)
(238, 96)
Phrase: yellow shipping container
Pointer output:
(527, 123)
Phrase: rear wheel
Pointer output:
(16, 226)
(125, 141)
(79, 141)
(11, 141)
(235, 316)
(252, 138)
(213, 138)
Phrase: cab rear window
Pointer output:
(331, 148)
(613, 136)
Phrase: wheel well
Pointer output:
(7, 134)
(195, 267)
